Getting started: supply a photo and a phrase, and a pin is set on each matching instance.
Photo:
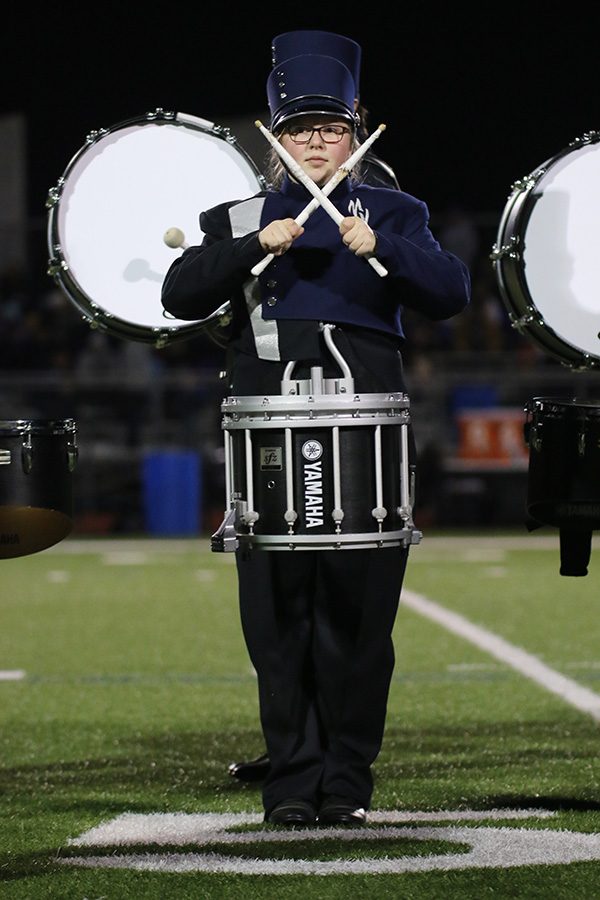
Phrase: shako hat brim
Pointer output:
(310, 83)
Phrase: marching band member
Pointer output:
(373, 171)
(318, 623)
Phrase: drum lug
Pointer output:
(529, 182)
(412, 486)
(5, 458)
(520, 324)
(590, 137)
(27, 455)
(338, 517)
(249, 518)
(405, 513)
(290, 516)
(225, 132)
(72, 456)
(533, 435)
(510, 250)
(159, 113)
(54, 193)
(379, 513)
(56, 265)
(94, 136)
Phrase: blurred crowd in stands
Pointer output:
(41, 329)
(128, 395)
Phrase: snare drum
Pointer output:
(314, 472)
(120, 194)
(546, 257)
(564, 462)
(37, 460)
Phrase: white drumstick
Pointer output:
(312, 188)
(333, 182)
(174, 237)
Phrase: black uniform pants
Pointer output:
(318, 627)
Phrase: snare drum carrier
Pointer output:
(317, 466)
(548, 269)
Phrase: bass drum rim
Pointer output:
(62, 273)
(509, 265)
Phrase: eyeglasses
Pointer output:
(330, 134)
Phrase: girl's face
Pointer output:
(315, 151)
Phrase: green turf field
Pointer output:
(126, 691)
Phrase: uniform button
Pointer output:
(271, 283)
(271, 301)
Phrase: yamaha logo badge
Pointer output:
(312, 450)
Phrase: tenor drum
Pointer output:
(119, 195)
(564, 462)
(546, 257)
(317, 472)
(37, 460)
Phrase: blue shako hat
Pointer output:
(310, 84)
(324, 43)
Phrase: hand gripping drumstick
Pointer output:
(333, 182)
(312, 188)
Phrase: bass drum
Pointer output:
(110, 213)
(37, 460)
(546, 257)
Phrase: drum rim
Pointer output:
(263, 404)
(566, 401)
(508, 262)
(36, 426)
(329, 540)
(62, 274)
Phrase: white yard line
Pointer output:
(12, 674)
(530, 666)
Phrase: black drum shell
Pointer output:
(37, 460)
(357, 455)
(564, 462)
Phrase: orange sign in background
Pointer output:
(493, 436)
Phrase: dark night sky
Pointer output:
(472, 101)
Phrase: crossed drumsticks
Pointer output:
(320, 196)
(174, 237)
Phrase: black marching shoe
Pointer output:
(292, 813)
(252, 770)
(341, 811)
